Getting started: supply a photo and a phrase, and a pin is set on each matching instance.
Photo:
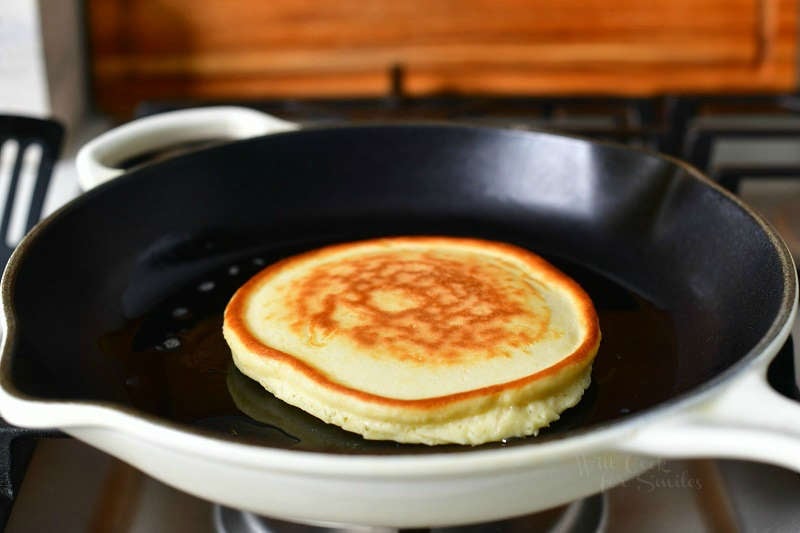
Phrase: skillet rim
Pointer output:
(773, 338)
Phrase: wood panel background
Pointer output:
(144, 49)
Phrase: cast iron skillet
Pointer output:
(116, 300)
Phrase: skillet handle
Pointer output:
(95, 160)
(747, 420)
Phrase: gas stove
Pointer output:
(749, 144)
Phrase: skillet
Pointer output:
(112, 309)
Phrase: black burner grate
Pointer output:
(639, 122)
(754, 118)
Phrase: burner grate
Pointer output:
(637, 122)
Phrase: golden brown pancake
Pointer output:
(418, 339)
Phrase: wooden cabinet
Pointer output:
(266, 48)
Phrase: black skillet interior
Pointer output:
(119, 297)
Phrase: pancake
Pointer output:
(418, 339)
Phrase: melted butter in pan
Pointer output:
(178, 367)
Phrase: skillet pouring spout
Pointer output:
(112, 309)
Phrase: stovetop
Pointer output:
(750, 144)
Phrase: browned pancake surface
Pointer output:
(428, 307)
